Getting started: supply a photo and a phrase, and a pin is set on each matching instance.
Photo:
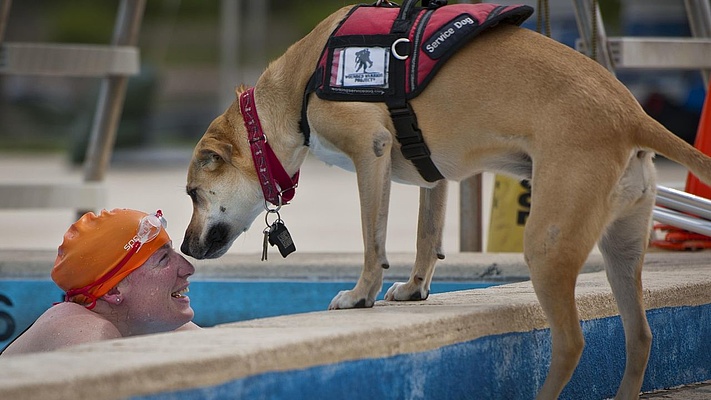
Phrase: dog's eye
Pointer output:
(193, 194)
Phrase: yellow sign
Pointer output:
(510, 206)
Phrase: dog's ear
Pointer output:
(239, 89)
(214, 155)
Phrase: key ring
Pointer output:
(266, 217)
(275, 209)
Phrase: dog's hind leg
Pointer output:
(623, 245)
(373, 174)
(623, 250)
(566, 219)
(433, 203)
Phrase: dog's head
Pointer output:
(223, 186)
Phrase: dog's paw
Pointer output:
(349, 299)
(402, 291)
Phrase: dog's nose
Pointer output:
(185, 248)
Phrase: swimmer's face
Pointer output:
(155, 293)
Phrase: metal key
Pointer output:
(264, 243)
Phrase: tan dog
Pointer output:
(537, 110)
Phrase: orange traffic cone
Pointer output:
(679, 239)
(703, 143)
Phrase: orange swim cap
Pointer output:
(93, 248)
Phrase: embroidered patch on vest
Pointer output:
(360, 66)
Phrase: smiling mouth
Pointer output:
(180, 293)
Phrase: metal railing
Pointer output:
(683, 210)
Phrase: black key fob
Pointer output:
(280, 237)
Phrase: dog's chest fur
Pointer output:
(328, 153)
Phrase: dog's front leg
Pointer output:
(433, 203)
(373, 174)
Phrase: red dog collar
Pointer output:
(278, 187)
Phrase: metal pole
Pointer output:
(584, 18)
(257, 24)
(470, 210)
(111, 95)
(230, 21)
(699, 14)
(4, 15)
(683, 221)
(684, 202)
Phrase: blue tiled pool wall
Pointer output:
(509, 366)
(214, 302)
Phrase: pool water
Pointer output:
(214, 301)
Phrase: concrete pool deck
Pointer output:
(409, 346)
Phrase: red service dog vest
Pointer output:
(385, 53)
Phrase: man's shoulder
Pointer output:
(63, 325)
(75, 324)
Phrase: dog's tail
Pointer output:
(656, 137)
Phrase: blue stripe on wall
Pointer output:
(508, 366)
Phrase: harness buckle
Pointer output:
(406, 125)
(408, 133)
(415, 151)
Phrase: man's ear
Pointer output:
(113, 296)
(213, 155)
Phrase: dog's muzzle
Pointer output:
(216, 243)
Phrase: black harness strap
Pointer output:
(304, 122)
(412, 145)
(404, 19)
(408, 133)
